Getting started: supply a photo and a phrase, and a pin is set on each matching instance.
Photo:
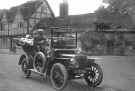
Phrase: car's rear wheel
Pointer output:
(94, 75)
(39, 62)
(58, 76)
(24, 67)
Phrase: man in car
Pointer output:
(40, 40)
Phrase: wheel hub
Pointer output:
(58, 77)
(93, 74)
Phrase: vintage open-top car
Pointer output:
(64, 61)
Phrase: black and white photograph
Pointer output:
(67, 45)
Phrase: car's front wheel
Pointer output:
(58, 76)
(94, 75)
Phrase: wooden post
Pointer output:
(28, 26)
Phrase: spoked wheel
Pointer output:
(58, 76)
(94, 75)
(24, 67)
(39, 62)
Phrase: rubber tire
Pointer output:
(27, 73)
(44, 60)
(64, 72)
(100, 78)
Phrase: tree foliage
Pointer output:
(122, 6)
(118, 13)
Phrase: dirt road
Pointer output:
(119, 75)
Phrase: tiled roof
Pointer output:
(45, 23)
(29, 8)
(75, 21)
(83, 20)
(11, 14)
(116, 19)
(26, 9)
(86, 21)
(49, 7)
(2, 12)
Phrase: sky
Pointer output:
(75, 6)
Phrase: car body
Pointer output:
(63, 62)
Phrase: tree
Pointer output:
(102, 11)
(119, 13)
(122, 6)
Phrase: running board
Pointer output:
(79, 76)
(65, 49)
(35, 71)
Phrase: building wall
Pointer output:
(42, 12)
(21, 26)
(4, 23)
(4, 43)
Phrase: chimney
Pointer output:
(64, 8)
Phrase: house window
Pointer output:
(2, 27)
(20, 25)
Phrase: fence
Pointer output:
(5, 38)
(10, 31)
